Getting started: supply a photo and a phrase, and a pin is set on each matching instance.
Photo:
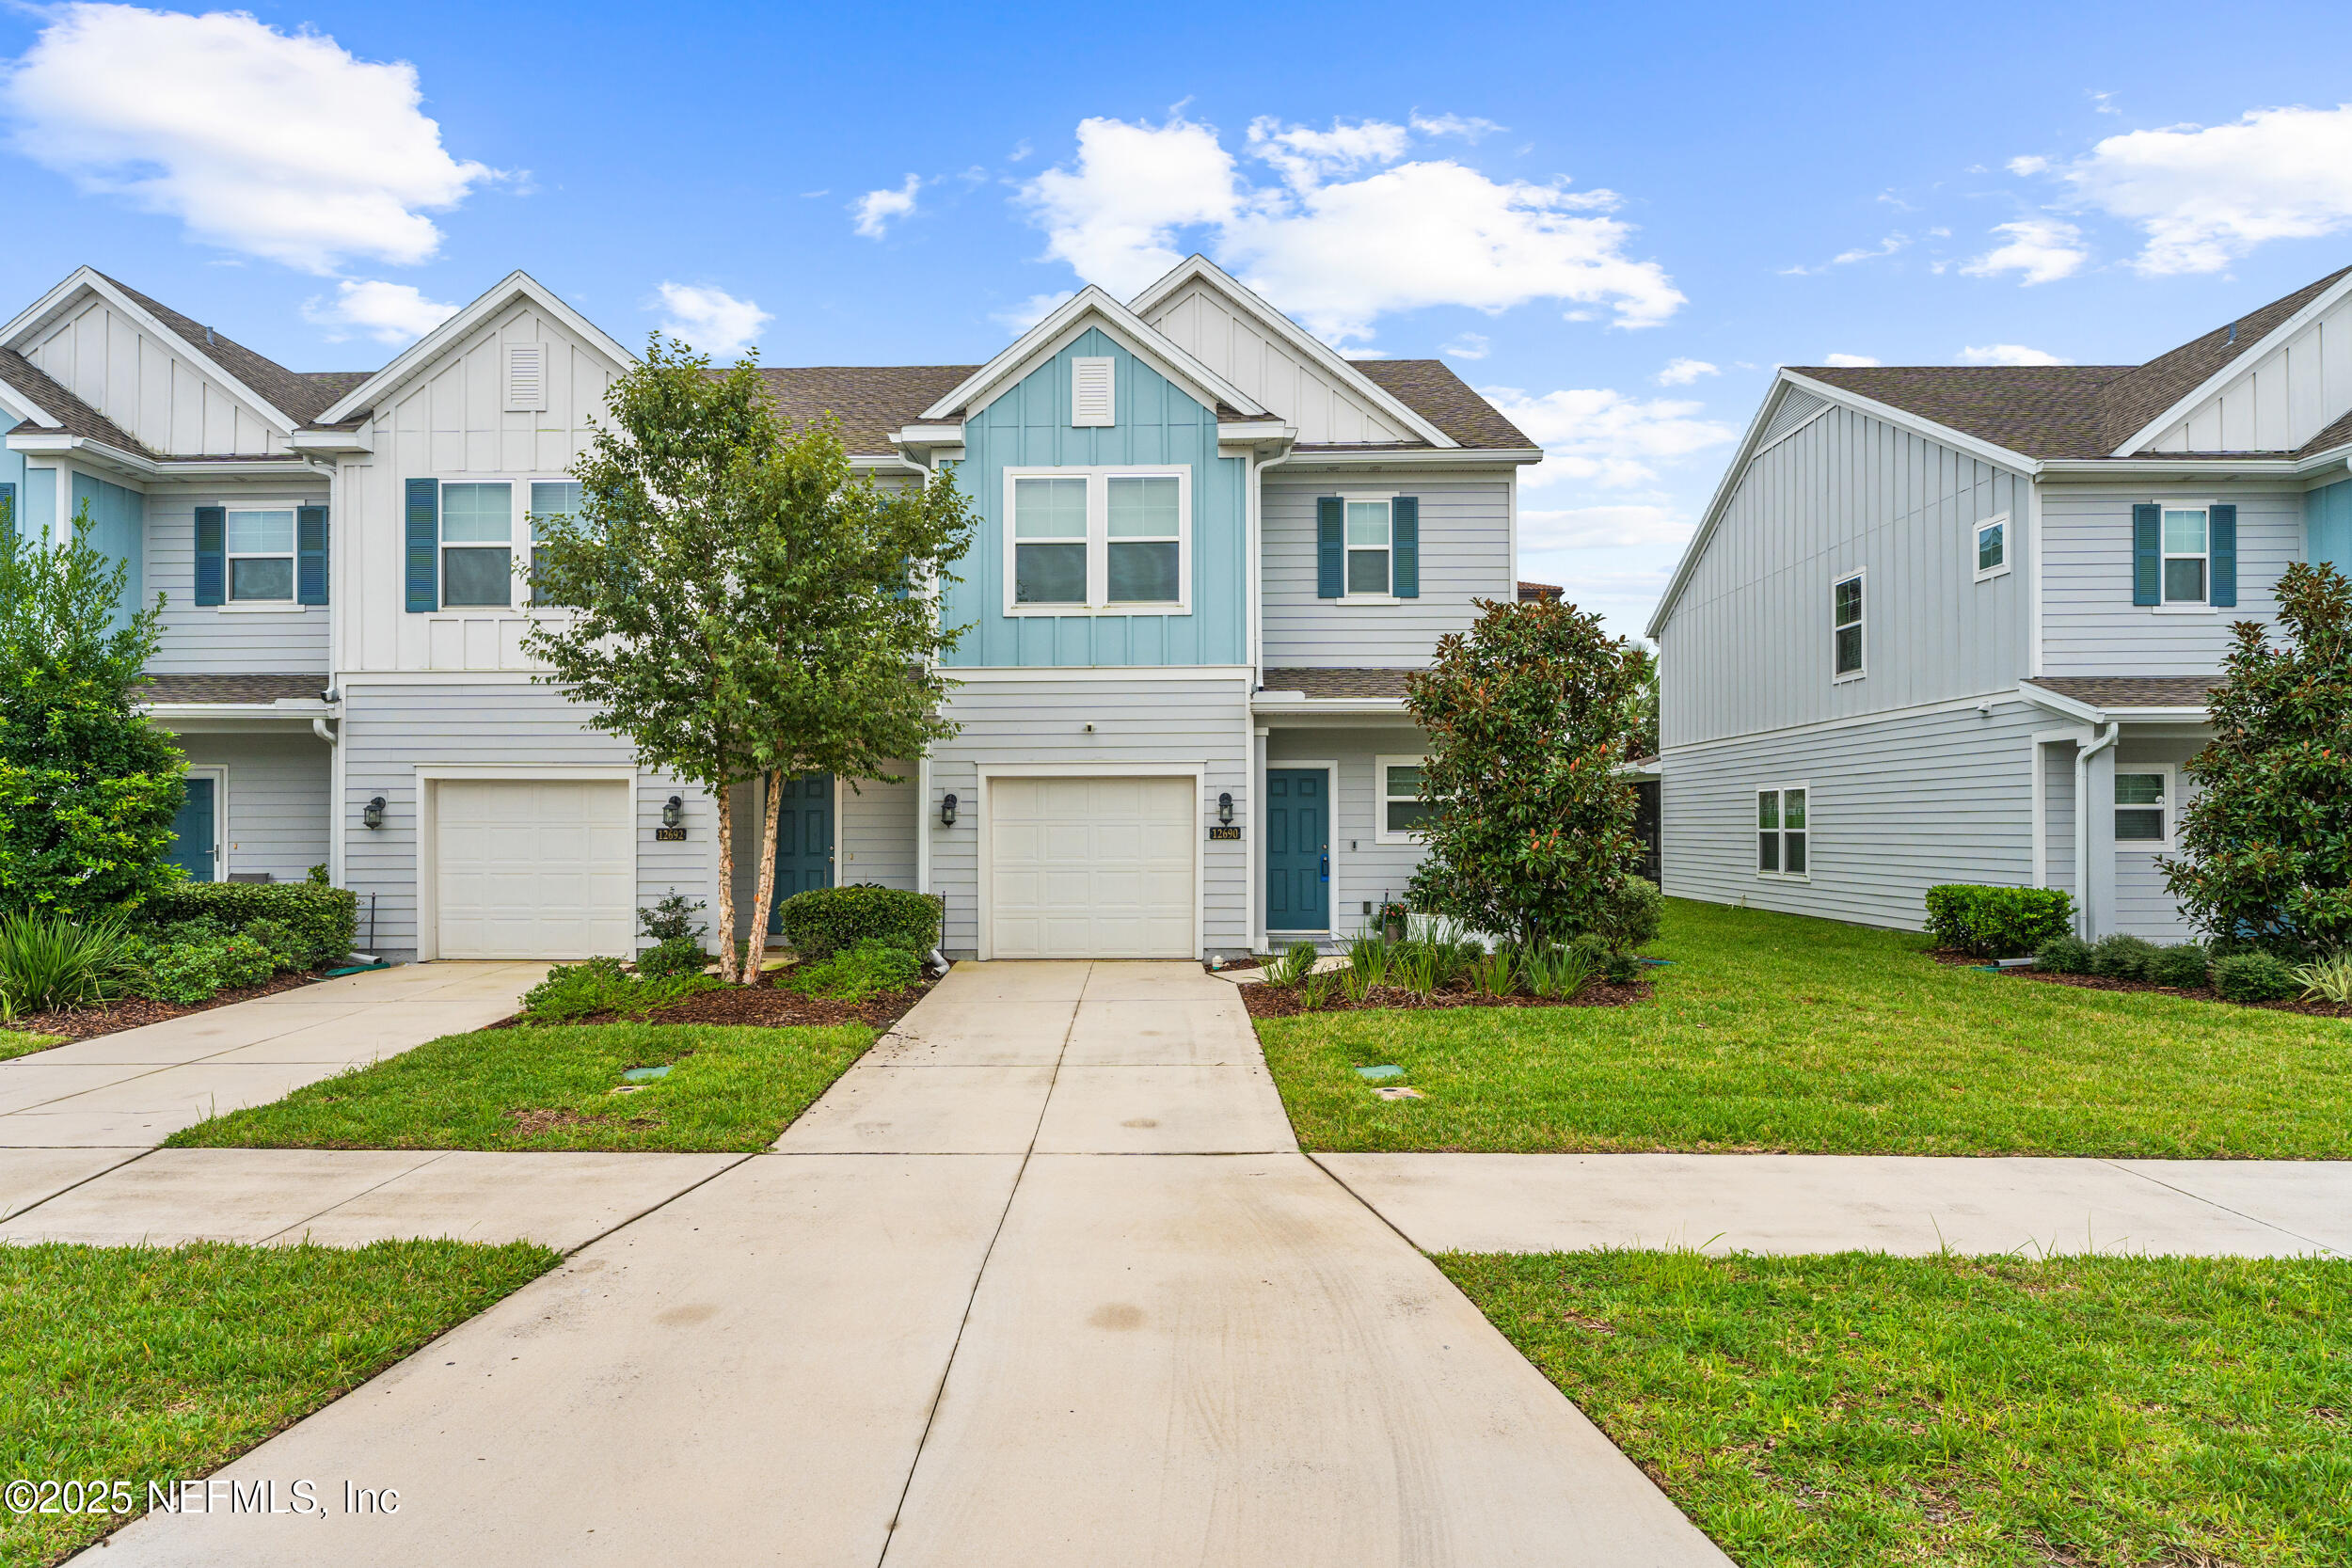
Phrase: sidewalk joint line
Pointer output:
(93, 1176)
(2210, 1203)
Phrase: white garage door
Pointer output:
(533, 870)
(1092, 868)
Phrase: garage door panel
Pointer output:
(1092, 868)
(533, 868)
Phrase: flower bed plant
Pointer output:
(1444, 970)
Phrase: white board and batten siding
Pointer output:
(2279, 399)
(2089, 626)
(110, 360)
(1200, 320)
(1465, 555)
(1748, 646)
(1194, 720)
(209, 639)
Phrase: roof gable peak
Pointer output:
(1090, 307)
(515, 285)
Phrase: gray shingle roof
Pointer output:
(302, 395)
(258, 689)
(1430, 388)
(1338, 683)
(74, 416)
(2129, 692)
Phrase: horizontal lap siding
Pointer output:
(2089, 626)
(1896, 807)
(1363, 869)
(205, 640)
(389, 730)
(1170, 721)
(278, 800)
(876, 830)
(1748, 646)
(2143, 905)
(1464, 555)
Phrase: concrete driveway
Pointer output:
(1043, 1281)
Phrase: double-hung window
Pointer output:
(1846, 627)
(1081, 540)
(549, 498)
(478, 543)
(1781, 833)
(1403, 811)
(261, 556)
(1991, 548)
(2143, 806)
(2187, 554)
(1370, 539)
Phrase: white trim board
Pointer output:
(1330, 770)
(456, 330)
(2322, 302)
(1068, 322)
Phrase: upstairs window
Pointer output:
(1781, 833)
(1146, 533)
(261, 554)
(2187, 556)
(549, 498)
(1049, 530)
(2143, 807)
(1846, 627)
(1991, 548)
(478, 544)
(1368, 553)
(1115, 541)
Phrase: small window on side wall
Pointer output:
(1782, 833)
(1403, 812)
(261, 557)
(1991, 548)
(2143, 806)
(1846, 627)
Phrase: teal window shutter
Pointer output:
(2147, 553)
(2221, 546)
(1331, 550)
(7, 506)
(310, 555)
(425, 546)
(211, 558)
(1404, 540)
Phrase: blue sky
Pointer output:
(1617, 219)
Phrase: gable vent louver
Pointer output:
(1090, 390)
(526, 378)
(1795, 408)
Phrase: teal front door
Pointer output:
(804, 841)
(194, 831)
(1297, 850)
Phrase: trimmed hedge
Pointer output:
(1998, 921)
(323, 921)
(824, 920)
(2255, 977)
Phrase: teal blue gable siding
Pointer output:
(118, 529)
(12, 472)
(1158, 423)
(2328, 524)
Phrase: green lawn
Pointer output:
(140, 1364)
(20, 1042)
(1854, 1410)
(1776, 1032)
(729, 1090)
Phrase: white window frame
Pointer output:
(1862, 627)
(517, 543)
(2169, 772)
(2166, 605)
(1098, 539)
(1780, 815)
(292, 604)
(1347, 594)
(1381, 831)
(530, 548)
(1975, 554)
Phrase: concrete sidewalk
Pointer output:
(133, 1090)
(1043, 1281)
(1836, 1203)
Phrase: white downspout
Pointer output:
(2083, 754)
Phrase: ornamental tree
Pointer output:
(2269, 838)
(739, 603)
(1529, 716)
(89, 787)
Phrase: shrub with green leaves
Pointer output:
(824, 920)
(323, 920)
(572, 993)
(2068, 955)
(673, 919)
(183, 974)
(1629, 916)
(1290, 966)
(2328, 979)
(2122, 957)
(242, 961)
(2185, 967)
(1997, 922)
(1556, 972)
(50, 960)
(679, 955)
(287, 949)
(855, 973)
(2255, 977)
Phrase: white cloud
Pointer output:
(1848, 360)
(1589, 527)
(1469, 345)
(1604, 436)
(1887, 246)
(388, 312)
(2102, 102)
(1347, 232)
(711, 319)
(1681, 373)
(2205, 195)
(2044, 249)
(2030, 164)
(1468, 127)
(1018, 319)
(2008, 353)
(277, 145)
(878, 209)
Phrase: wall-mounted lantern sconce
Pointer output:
(947, 810)
(372, 814)
(674, 812)
(1225, 806)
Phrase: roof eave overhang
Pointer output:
(286, 713)
(1416, 457)
(1297, 704)
(2238, 366)
(81, 448)
(2073, 707)
(333, 443)
(455, 330)
(977, 390)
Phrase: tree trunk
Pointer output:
(726, 886)
(764, 898)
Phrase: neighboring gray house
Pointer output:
(1930, 610)
(1210, 550)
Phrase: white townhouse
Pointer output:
(1958, 624)
(1210, 551)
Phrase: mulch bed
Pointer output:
(764, 1004)
(2109, 982)
(1265, 1001)
(82, 1023)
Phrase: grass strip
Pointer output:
(21, 1042)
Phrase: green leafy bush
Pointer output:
(857, 973)
(575, 992)
(2067, 954)
(824, 920)
(183, 973)
(672, 918)
(1628, 918)
(1496, 973)
(2123, 958)
(1288, 968)
(49, 961)
(2184, 966)
(1555, 971)
(1997, 922)
(2255, 977)
(242, 961)
(288, 951)
(2328, 979)
(323, 920)
(673, 955)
